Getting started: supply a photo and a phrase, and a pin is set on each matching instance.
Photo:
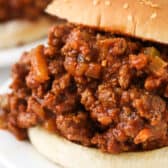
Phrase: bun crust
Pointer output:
(71, 155)
(19, 32)
(146, 19)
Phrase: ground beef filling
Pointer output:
(94, 88)
(22, 9)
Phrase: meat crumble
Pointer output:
(94, 88)
(22, 9)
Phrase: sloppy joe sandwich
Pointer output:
(97, 95)
(22, 21)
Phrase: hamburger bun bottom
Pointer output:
(71, 155)
(19, 32)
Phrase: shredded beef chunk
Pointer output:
(16, 9)
(93, 88)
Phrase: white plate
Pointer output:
(11, 55)
(19, 154)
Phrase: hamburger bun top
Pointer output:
(146, 19)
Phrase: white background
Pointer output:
(4, 75)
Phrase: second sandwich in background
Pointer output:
(23, 21)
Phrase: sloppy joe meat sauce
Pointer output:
(22, 9)
(94, 88)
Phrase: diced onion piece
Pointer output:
(157, 64)
(39, 64)
(151, 51)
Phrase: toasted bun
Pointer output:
(146, 19)
(71, 155)
(19, 32)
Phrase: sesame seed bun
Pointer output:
(19, 32)
(146, 19)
